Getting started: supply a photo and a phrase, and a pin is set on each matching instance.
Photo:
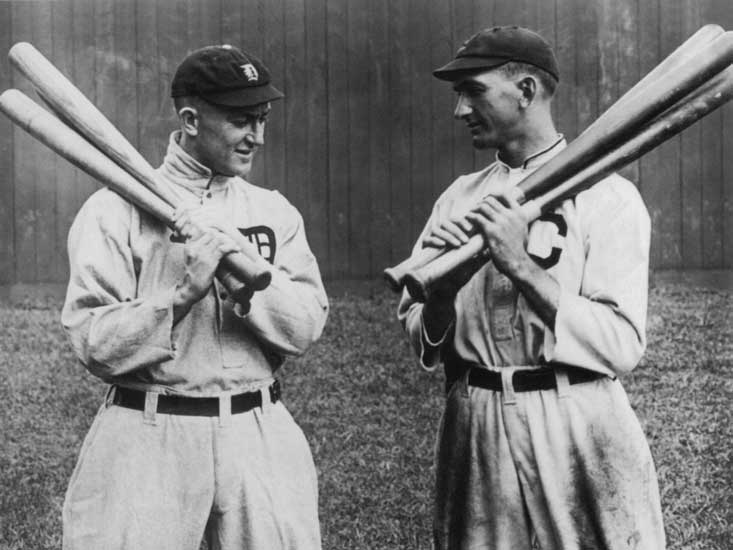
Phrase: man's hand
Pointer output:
(505, 230)
(447, 230)
(201, 258)
(191, 221)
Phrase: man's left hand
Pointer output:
(504, 227)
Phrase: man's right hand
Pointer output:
(202, 255)
(447, 230)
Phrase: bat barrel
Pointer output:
(612, 129)
(690, 109)
(56, 135)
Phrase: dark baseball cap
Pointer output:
(224, 75)
(496, 46)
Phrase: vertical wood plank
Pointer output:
(296, 76)
(727, 184)
(171, 20)
(84, 71)
(404, 233)
(231, 22)
(421, 123)
(712, 170)
(441, 52)
(649, 40)
(7, 163)
(608, 61)
(566, 100)
(464, 26)
(204, 23)
(275, 154)
(148, 79)
(545, 19)
(44, 164)
(63, 57)
(690, 168)
(719, 12)
(666, 177)
(24, 163)
(486, 13)
(125, 52)
(381, 220)
(586, 63)
(628, 61)
(507, 13)
(360, 80)
(338, 151)
(315, 105)
(251, 40)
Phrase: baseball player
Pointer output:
(538, 446)
(193, 440)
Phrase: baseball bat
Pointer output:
(623, 117)
(705, 99)
(73, 107)
(66, 142)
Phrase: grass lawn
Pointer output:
(370, 414)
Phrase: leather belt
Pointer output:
(193, 406)
(529, 380)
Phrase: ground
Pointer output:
(370, 414)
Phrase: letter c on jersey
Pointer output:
(562, 229)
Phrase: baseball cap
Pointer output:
(498, 45)
(224, 75)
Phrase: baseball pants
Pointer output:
(557, 469)
(150, 481)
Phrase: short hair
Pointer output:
(546, 80)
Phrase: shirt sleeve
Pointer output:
(603, 327)
(291, 312)
(409, 314)
(111, 329)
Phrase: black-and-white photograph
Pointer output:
(366, 274)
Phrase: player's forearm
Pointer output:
(539, 288)
(288, 315)
(117, 338)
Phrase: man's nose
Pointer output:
(256, 135)
(462, 108)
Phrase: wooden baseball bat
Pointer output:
(66, 142)
(633, 109)
(705, 99)
(73, 107)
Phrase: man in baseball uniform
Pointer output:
(193, 440)
(538, 446)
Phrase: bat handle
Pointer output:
(420, 281)
(395, 276)
(239, 291)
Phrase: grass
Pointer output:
(370, 415)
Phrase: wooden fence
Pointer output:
(365, 140)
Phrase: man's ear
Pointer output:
(528, 89)
(189, 118)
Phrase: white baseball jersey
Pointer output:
(558, 469)
(146, 480)
(596, 246)
(124, 268)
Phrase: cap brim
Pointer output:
(245, 97)
(460, 65)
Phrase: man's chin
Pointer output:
(241, 170)
(481, 143)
